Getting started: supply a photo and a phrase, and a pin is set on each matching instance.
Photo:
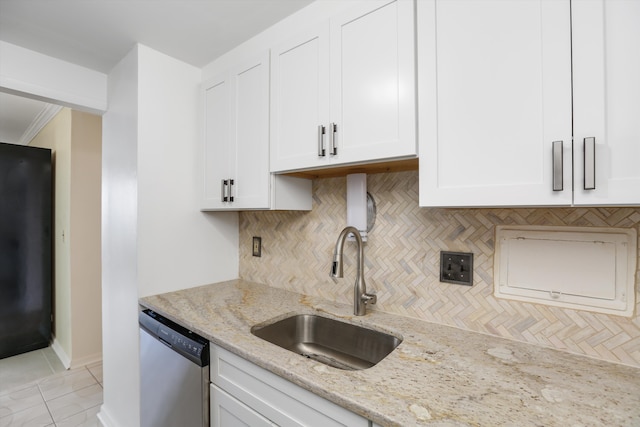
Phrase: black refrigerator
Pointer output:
(25, 249)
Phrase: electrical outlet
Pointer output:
(257, 246)
(456, 267)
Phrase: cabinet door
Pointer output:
(300, 100)
(281, 401)
(226, 411)
(236, 140)
(250, 108)
(606, 78)
(494, 94)
(373, 81)
(218, 147)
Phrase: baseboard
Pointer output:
(104, 419)
(62, 355)
(87, 360)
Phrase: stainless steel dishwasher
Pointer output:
(174, 374)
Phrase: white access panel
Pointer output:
(584, 268)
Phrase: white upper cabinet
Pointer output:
(606, 94)
(299, 99)
(236, 172)
(373, 91)
(236, 144)
(217, 147)
(494, 82)
(344, 91)
(495, 99)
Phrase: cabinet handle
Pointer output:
(333, 148)
(321, 151)
(223, 191)
(558, 184)
(590, 163)
(231, 183)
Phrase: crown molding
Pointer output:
(40, 121)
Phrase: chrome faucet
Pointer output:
(360, 296)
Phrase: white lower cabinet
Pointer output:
(245, 394)
(227, 411)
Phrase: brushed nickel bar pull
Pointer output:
(231, 183)
(333, 148)
(558, 184)
(225, 184)
(321, 151)
(590, 163)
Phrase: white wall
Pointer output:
(119, 247)
(34, 75)
(178, 246)
(154, 237)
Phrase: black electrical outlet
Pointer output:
(257, 246)
(456, 267)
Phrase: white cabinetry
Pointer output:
(495, 100)
(300, 100)
(236, 144)
(494, 93)
(226, 411)
(243, 392)
(344, 91)
(606, 101)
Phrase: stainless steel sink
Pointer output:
(332, 342)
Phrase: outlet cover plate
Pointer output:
(456, 267)
(257, 246)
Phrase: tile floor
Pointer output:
(36, 391)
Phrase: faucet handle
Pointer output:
(369, 298)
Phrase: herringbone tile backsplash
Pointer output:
(402, 258)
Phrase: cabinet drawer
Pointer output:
(226, 411)
(275, 398)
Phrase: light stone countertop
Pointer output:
(437, 376)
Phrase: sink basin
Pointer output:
(332, 342)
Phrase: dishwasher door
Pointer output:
(174, 388)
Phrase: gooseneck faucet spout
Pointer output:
(360, 296)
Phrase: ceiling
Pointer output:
(98, 33)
